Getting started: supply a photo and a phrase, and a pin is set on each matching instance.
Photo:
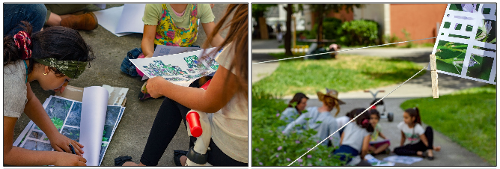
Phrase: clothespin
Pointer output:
(434, 77)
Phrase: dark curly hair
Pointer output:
(360, 120)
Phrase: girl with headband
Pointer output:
(52, 57)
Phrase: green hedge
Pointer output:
(360, 32)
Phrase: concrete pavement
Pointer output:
(131, 134)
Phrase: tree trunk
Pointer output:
(263, 28)
(288, 34)
(320, 28)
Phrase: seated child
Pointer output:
(420, 140)
(355, 139)
(377, 147)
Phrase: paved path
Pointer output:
(451, 154)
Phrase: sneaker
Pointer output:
(86, 21)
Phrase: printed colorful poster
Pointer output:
(66, 116)
(466, 43)
(181, 69)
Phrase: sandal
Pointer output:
(144, 96)
(119, 161)
(428, 157)
(177, 156)
(387, 151)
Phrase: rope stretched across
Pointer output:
(345, 50)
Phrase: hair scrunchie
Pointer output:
(23, 41)
(365, 121)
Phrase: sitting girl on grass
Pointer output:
(295, 107)
(420, 140)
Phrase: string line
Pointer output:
(345, 50)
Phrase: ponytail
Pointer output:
(18, 47)
(414, 112)
(363, 120)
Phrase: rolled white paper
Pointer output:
(93, 116)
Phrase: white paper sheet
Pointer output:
(131, 19)
(93, 117)
(162, 50)
(403, 159)
(122, 20)
(375, 162)
(109, 19)
(181, 69)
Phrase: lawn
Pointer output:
(467, 117)
(346, 73)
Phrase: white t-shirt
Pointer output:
(14, 89)
(230, 124)
(354, 136)
(341, 121)
(412, 134)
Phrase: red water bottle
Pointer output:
(193, 118)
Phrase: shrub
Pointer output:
(359, 32)
(331, 29)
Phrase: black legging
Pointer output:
(411, 149)
(164, 129)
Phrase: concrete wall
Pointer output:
(417, 19)
(373, 12)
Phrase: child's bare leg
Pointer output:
(419, 153)
(371, 148)
(381, 148)
(54, 20)
(131, 163)
(437, 148)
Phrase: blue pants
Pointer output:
(346, 153)
(13, 14)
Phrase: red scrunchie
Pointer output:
(365, 121)
(23, 41)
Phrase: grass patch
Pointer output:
(467, 117)
(346, 73)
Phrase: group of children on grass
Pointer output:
(359, 137)
(55, 55)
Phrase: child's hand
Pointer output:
(61, 143)
(154, 85)
(67, 159)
